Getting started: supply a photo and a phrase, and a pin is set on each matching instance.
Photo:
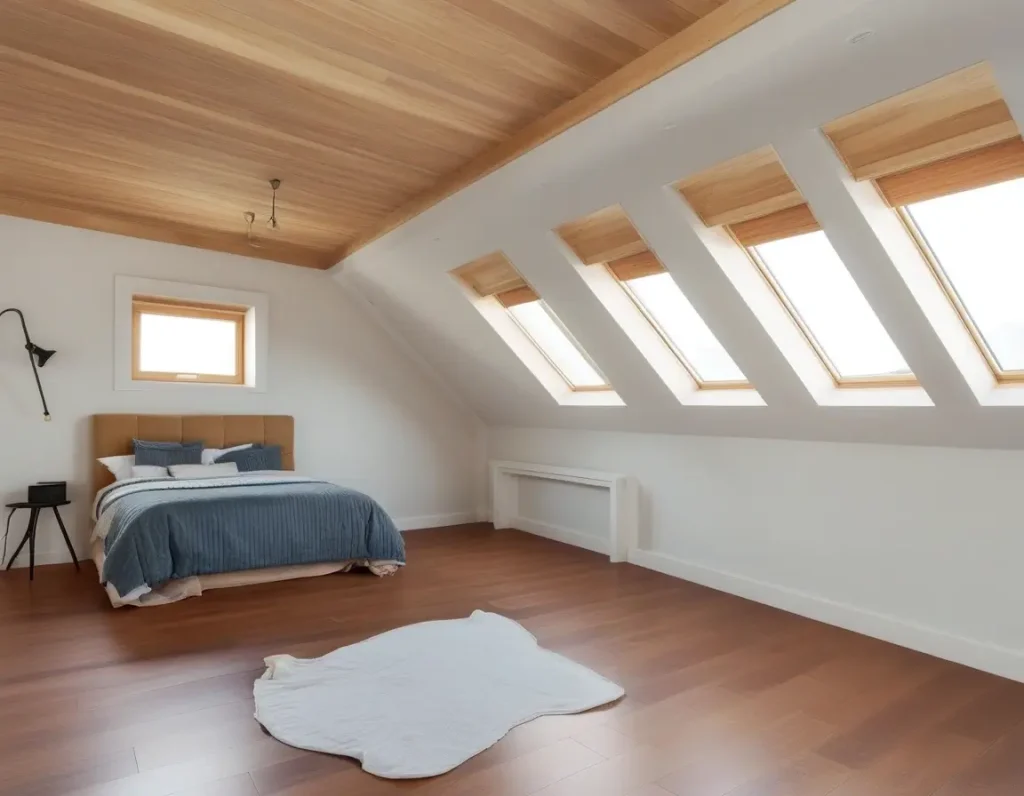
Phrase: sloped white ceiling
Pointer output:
(775, 83)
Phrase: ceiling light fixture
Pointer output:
(272, 221)
(250, 217)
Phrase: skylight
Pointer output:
(823, 297)
(547, 334)
(664, 304)
(974, 239)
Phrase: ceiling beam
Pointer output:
(723, 23)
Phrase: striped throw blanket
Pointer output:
(155, 530)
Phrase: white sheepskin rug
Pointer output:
(420, 700)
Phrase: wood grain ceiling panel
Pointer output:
(174, 114)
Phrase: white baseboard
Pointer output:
(992, 658)
(435, 520)
(559, 534)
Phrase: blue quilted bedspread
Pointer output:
(157, 530)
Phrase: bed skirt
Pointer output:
(175, 590)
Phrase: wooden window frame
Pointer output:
(1003, 377)
(157, 305)
(743, 384)
(840, 381)
(572, 387)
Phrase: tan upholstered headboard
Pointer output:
(112, 435)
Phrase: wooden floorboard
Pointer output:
(724, 697)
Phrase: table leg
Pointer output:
(67, 539)
(21, 544)
(33, 520)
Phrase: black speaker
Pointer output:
(49, 492)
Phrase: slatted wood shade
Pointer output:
(635, 266)
(609, 238)
(751, 194)
(996, 163)
(776, 226)
(950, 135)
(494, 275)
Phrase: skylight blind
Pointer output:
(603, 237)
(988, 166)
(951, 135)
(609, 238)
(749, 187)
(636, 266)
(776, 226)
(494, 275)
(951, 116)
(752, 195)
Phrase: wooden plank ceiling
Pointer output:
(165, 119)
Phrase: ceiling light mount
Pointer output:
(250, 218)
(272, 221)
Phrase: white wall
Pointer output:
(775, 83)
(367, 415)
(922, 546)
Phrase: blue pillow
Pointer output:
(164, 454)
(257, 457)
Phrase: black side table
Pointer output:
(30, 532)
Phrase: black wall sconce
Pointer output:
(35, 353)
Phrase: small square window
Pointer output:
(565, 356)
(663, 304)
(973, 242)
(181, 341)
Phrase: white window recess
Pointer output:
(256, 332)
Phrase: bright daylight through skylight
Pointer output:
(824, 295)
(686, 331)
(975, 237)
(534, 318)
(176, 344)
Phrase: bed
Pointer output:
(161, 540)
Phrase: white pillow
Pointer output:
(119, 466)
(148, 471)
(203, 470)
(211, 454)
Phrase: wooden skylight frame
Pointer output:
(608, 239)
(494, 276)
(753, 198)
(949, 136)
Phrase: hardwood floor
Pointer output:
(723, 697)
